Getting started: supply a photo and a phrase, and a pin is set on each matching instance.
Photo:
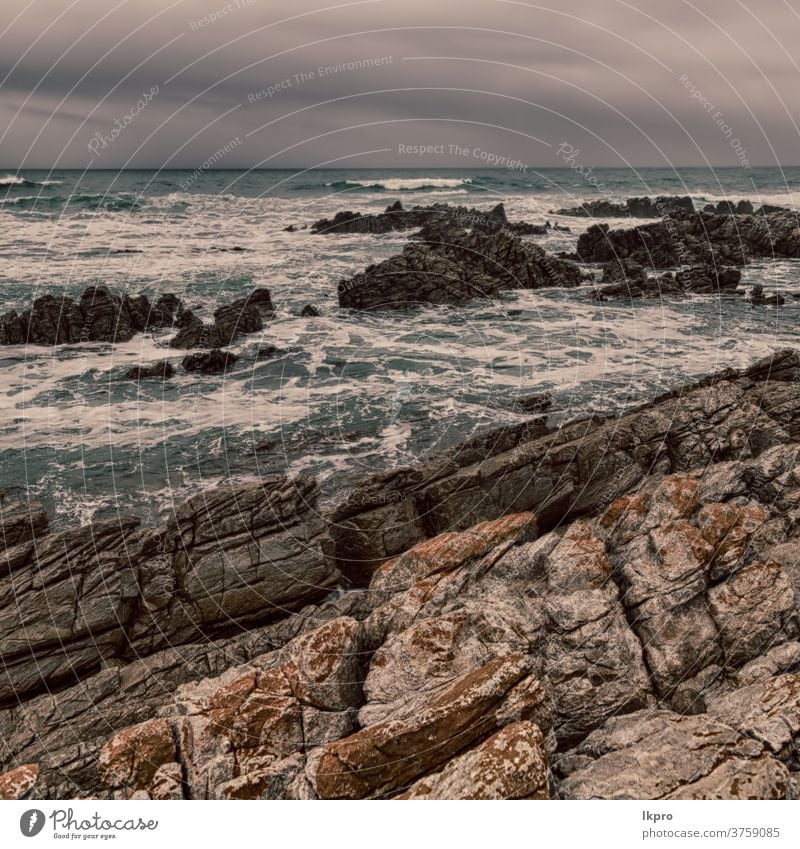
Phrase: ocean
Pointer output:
(352, 393)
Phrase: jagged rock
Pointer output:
(20, 522)
(111, 318)
(162, 370)
(12, 329)
(644, 207)
(234, 731)
(696, 239)
(708, 279)
(53, 321)
(727, 207)
(178, 662)
(627, 279)
(239, 555)
(395, 217)
(661, 755)
(246, 315)
(575, 469)
(454, 267)
(101, 316)
(169, 311)
(382, 758)
(18, 783)
(511, 764)
(60, 729)
(212, 362)
(541, 402)
(767, 711)
(309, 312)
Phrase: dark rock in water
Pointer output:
(309, 311)
(644, 207)
(266, 352)
(539, 403)
(54, 321)
(158, 371)
(12, 329)
(726, 207)
(112, 318)
(632, 281)
(698, 239)
(623, 270)
(212, 362)
(101, 316)
(396, 217)
(20, 522)
(770, 207)
(231, 321)
(626, 279)
(708, 279)
(453, 267)
(757, 297)
(169, 311)
(290, 229)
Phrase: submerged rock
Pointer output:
(158, 371)
(212, 362)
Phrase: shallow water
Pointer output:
(353, 392)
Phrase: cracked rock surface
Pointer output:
(611, 610)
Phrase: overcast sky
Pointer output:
(155, 83)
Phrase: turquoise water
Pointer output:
(352, 393)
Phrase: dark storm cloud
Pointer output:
(642, 82)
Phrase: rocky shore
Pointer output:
(608, 609)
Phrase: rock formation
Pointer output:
(608, 610)
(451, 266)
(101, 316)
(697, 239)
(643, 207)
(396, 217)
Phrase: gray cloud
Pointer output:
(614, 79)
